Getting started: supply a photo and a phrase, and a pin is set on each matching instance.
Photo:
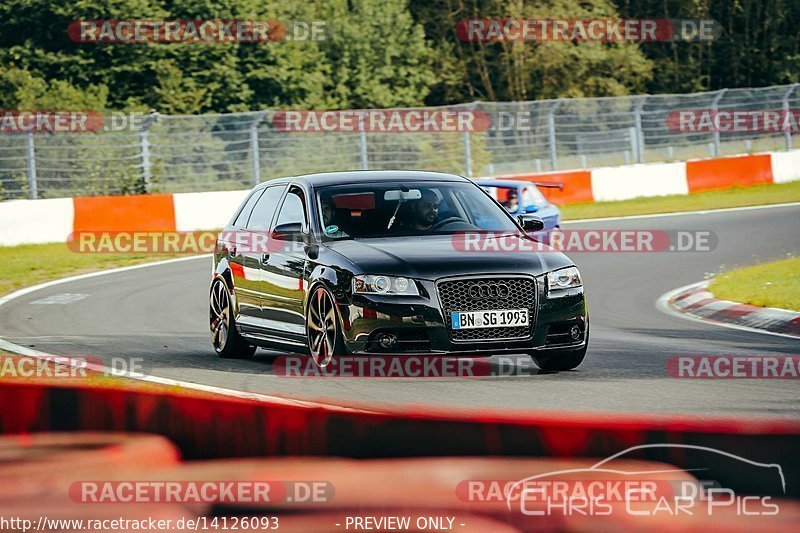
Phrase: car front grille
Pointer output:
(454, 295)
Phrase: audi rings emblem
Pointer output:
(488, 290)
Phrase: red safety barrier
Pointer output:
(727, 172)
(147, 212)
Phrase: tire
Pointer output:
(225, 338)
(325, 340)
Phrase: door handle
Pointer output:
(264, 259)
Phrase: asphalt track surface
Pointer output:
(159, 314)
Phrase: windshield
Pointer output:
(397, 208)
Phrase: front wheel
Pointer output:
(322, 327)
(224, 337)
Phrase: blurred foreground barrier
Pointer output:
(221, 427)
(54, 220)
(418, 494)
(36, 470)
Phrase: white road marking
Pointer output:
(60, 299)
(685, 213)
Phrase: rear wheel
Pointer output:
(322, 328)
(224, 337)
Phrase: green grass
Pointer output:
(769, 285)
(737, 197)
(29, 264)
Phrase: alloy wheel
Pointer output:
(220, 313)
(321, 327)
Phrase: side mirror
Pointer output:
(531, 222)
(289, 232)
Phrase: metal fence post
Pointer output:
(788, 133)
(256, 160)
(144, 150)
(714, 110)
(254, 147)
(551, 134)
(639, 131)
(31, 157)
(633, 137)
(362, 143)
(467, 155)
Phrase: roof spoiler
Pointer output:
(550, 185)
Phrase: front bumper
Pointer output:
(420, 327)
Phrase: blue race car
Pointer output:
(520, 197)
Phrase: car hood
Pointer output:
(435, 256)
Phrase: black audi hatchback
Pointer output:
(391, 262)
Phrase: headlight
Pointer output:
(368, 284)
(565, 278)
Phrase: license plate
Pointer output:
(506, 318)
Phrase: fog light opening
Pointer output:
(387, 340)
(575, 332)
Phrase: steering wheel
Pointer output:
(439, 225)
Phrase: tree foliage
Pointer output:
(379, 53)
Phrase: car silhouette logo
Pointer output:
(484, 291)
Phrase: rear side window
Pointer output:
(244, 214)
(293, 210)
(265, 208)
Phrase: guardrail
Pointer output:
(233, 151)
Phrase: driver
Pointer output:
(424, 212)
(512, 204)
(329, 218)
